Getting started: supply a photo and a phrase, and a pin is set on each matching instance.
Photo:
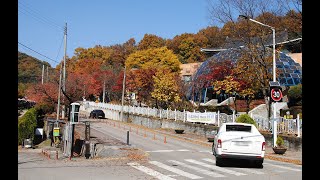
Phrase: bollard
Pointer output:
(127, 137)
(154, 136)
(49, 155)
(165, 139)
(56, 155)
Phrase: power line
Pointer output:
(37, 16)
(37, 52)
(60, 48)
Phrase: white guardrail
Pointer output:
(290, 126)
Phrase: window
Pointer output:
(242, 128)
(187, 78)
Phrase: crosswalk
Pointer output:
(203, 168)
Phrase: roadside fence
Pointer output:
(289, 126)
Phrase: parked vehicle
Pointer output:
(97, 113)
(239, 141)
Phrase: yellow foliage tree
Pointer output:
(166, 89)
(154, 57)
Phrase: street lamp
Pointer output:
(274, 42)
(274, 71)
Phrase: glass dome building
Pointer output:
(289, 71)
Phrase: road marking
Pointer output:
(242, 169)
(181, 150)
(206, 152)
(175, 170)
(283, 167)
(150, 171)
(203, 171)
(215, 167)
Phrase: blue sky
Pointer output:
(102, 22)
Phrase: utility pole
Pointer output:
(104, 90)
(47, 73)
(123, 87)
(42, 73)
(64, 69)
(58, 107)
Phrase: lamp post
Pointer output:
(274, 70)
(274, 42)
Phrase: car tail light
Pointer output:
(219, 143)
(263, 146)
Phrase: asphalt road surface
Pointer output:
(168, 159)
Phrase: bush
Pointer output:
(245, 118)
(280, 142)
(295, 95)
(26, 125)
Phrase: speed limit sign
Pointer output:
(276, 94)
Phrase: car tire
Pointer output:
(218, 161)
(258, 163)
(213, 151)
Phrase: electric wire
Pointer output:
(34, 14)
(37, 52)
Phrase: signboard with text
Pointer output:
(208, 117)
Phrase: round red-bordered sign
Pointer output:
(276, 94)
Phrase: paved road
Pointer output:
(168, 158)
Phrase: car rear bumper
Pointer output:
(240, 156)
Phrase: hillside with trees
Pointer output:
(153, 62)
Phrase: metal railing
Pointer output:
(288, 126)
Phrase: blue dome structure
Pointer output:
(290, 72)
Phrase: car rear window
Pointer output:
(242, 128)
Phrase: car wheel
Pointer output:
(218, 161)
(213, 151)
(258, 163)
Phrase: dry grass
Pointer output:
(298, 162)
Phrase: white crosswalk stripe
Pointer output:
(241, 169)
(175, 170)
(283, 167)
(180, 150)
(203, 171)
(215, 167)
(150, 171)
(210, 169)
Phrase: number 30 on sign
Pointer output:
(276, 94)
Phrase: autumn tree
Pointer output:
(154, 57)
(228, 86)
(140, 81)
(166, 89)
(187, 47)
(213, 35)
(151, 41)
